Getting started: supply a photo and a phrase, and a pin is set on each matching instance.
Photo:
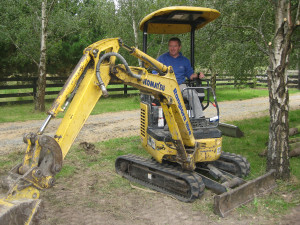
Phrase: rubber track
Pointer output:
(191, 178)
(240, 162)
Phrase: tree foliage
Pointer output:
(72, 25)
(221, 46)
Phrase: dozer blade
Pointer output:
(226, 202)
(230, 130)
(19, 212)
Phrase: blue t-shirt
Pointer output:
(181, 66)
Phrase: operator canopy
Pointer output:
(177, 19)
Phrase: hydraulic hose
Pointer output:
(106, 55)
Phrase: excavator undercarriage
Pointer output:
(184, 185)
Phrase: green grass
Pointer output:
(231, 94)
(8, 161)
(114, 104)
(66, 171)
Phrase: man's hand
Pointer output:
(194, 75)
(201, 75)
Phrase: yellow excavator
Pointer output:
(186, 157)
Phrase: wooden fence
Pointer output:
(23, 90)
(257, 81)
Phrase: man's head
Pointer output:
(174, 47)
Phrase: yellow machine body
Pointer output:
(183, 14)
(204, 150)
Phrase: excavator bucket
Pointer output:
(228, 201)
(19, 200)
(20, 206)
(19, 212)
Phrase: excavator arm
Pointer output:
(44, 154)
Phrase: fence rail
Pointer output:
(256, 81)
(23, 90)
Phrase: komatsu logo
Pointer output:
(182, 111)
(156, 85)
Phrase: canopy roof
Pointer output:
(178, 19)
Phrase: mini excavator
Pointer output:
(186, 157)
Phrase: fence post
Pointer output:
(34, 88)
(125, 89)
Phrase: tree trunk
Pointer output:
(135, 28)
(41, 83)
(277, 157)
(213, 79)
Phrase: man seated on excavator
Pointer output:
(182, 69)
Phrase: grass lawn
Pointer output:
(231, 94)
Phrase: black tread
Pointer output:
(240, 162)
(193, 180)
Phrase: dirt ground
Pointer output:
(131, 206)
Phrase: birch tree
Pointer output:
(58, 20)
(286, 21)
(41, 83)
(283, 17)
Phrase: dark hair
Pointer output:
(175, 39)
